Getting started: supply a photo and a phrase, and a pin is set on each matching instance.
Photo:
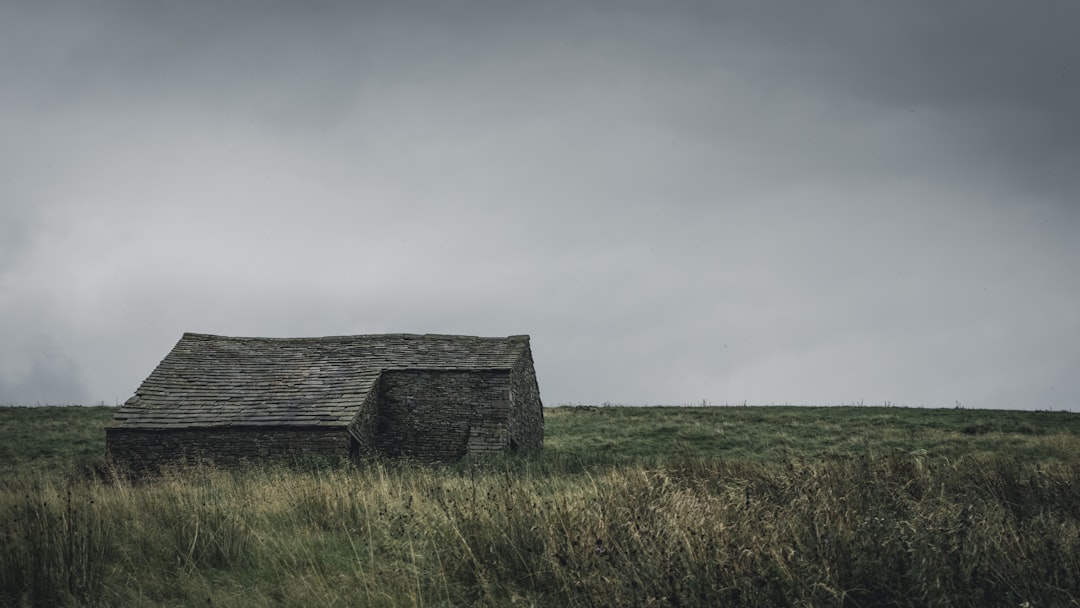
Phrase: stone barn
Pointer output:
(228, 400)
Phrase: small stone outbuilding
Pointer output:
(229, 400)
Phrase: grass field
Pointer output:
(769, 506)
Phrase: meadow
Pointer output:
(736, 506)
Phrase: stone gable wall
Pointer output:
(443, 414)
(147, 450)
(526, 424)
(364, 424)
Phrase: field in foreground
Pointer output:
(628, 506)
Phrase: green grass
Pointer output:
(51, 438)
(769, 434)
(674, 507)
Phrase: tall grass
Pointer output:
(896, 530)
(55, 544)
(627, 506)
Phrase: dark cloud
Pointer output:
(741, 200)
(1002, 76)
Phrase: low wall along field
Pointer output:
(625, 507)
(140, 450)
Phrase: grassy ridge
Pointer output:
(48, 438)
(771, 434)
(683, 507)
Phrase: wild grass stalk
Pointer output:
(896, 530)
(799, 522)
(56, 543)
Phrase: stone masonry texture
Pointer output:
(229, 401)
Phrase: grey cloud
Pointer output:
(44, 376)
(739, 200)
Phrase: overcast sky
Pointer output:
(773, 202)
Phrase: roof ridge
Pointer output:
(203, 336)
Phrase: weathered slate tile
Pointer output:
(206, 379)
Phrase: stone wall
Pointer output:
(148, 450)
(443, 414)
(438, 414)
(526, 424)
(363, 426)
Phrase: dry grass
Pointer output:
(894, 531)
(737, 507)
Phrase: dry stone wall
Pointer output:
(429, 414)
(147, 450)
(443, 414)
(526, 424)
(363, 425)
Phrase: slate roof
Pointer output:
(225, 381)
